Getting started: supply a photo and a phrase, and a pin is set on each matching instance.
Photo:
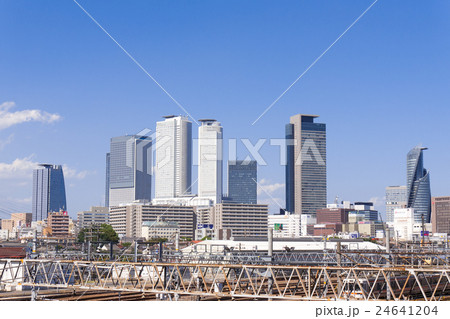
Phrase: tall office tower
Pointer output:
(49, 192)
(130, 167)
(440, 214)
(395, 198)
(173, 171)
(210, 155)
(306, 169)
(108, 164)
(418, 185)
(242, 177)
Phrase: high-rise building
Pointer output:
(210, 154)
(418, 185)
(173, 167)
(130, 167)
(440, 214)
(58, 224)
(49, 192)
(395, 198)
(242, 177)
(306, 169)
(108, 164)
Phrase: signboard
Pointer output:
(425, 233)
(278, 227)
(207, 226)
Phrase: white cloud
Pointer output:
(72, 173)
(19, 168)
(22, 168)
(3, 143)
(377, 201)
(265, 187)
(8, 119)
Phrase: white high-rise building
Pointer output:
(173, 167)
(404, 223)
(210, 154)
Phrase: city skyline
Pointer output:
(368, 115)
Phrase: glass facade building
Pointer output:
(108, 161)
(418, 185)
(130, 166)
(49, 192)
(395, 198)
(242, 177)
(306, 169)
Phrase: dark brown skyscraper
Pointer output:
(440, 214)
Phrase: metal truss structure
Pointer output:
(233, 281)
(322, 258)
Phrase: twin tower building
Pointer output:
(130, 166)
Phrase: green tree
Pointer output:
(107, 233)
(81, 236)
(94, 233)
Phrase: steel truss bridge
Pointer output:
(221, 281)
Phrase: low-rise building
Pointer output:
(363, 228)
(362, 211)
(4, 234)
(327, 229)
(160, 229)
(97, 215)
(243, 220)
(127, 219)
(8, 224)
(22, 219)
(289, 225)
(332, 215)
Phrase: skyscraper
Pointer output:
(242, 177)
(306, 169)
(108, 164)
(440, 214)
(418, 185)
(210, 154)
(395, 198)
(49, 192)
(130, 167)
(173, 169)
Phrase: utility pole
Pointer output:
(270, 254)
(388, 263)
(177, 241)
(339, 264)
(270, 243)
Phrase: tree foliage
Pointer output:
(95, 233)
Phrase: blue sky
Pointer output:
(381, 89)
